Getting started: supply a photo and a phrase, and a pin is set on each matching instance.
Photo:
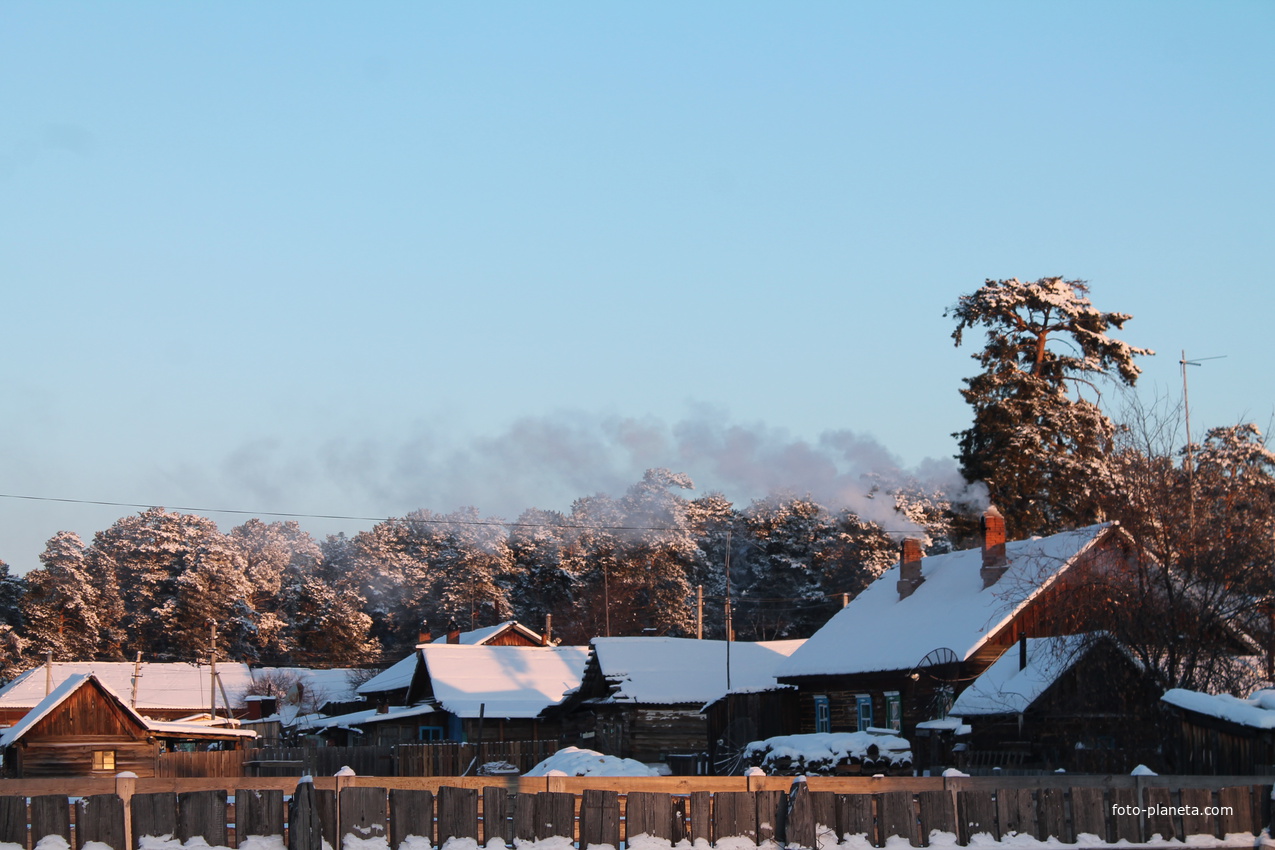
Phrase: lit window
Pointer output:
(104, 759)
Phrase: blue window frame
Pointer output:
(863, 707)
(823, 714)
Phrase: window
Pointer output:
(430, 733)
(823, 714)
(863, 705)
(104, 759)
(894, 711)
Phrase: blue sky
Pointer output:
(365, 258)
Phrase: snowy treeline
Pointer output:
(153, 582)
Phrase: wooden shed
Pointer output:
(82, 728)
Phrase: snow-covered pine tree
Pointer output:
(1037, 441)
(60, 607)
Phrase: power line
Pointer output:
(377, 519)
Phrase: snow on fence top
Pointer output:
(951, 608)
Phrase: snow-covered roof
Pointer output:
(362, 718)
(479, 637)
(951, 609)
(170, 686)
(393, 678)
(670, 671)
(510, 681)
(1003, 688)
(1257, 712)
(73, 683)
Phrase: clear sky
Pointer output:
(363, 258)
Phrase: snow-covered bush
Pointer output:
(574, 761)
(831, 752)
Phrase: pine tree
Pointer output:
(1037, 442)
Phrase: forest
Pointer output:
(1200, 517)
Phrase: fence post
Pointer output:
(125, 787)
(304, 832)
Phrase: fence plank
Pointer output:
(681, 819)
(772, 807)
(304, 832)
(854, 817)
(1195, 817)
(153, 815)
(100, 817)
(600, 818)
(50, 815)
(202, 813)
(363, 813)
(734, 815)
(1239, 800)
(1051, 811)
(458, 813)
(1089, 813)
(412, 813)
(555, 815)
(257, 812)
(936, 812)
(1126, 822)
(524, 818)
(13, 821)
(897, 816)
(1159, 819)
(1016, 811)
(496, 811)
(701, 816)
(801, 817)
(325, 805)
(976, 814)
(648, 814)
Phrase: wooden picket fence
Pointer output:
(1085, 811)
(446, 758)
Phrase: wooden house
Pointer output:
(82, 728)
(903, 648)
(644, 697)
(1078, 703)
(1218, 734)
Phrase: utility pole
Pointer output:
(212, 664)
(1186, 415)
(699, 612)
(730, 625)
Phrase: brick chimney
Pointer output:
(547, 638)
(910, 577)
(994, 562)
(422, 636)
(453, 632)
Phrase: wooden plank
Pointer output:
(304, 832)
(772, 808)
(1159, 819)
(897, 817)
(648, 814)
(496, 815)
(1051, 813)
(801, 817)
(1196, 818)
(153, 815)
(50, 815)
(13, 821)
(202, 813)
(458, 813)
(701, 816)
(364, 815)
(100, 817)
(855, 818)
(734, 815)
(679, 826)
(325, 805)
(555, 815)
(524, 818)
(257, 812)
(412, 813)
(1016, 811)
(976, 814)
(1236, 816)
(1089, 811)
(824, 804)
(937, 813)
(600, 818)
(1126, 816)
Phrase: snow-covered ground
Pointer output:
(573, 761)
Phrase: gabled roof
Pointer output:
(393, 678)
(502, 681)
(72, 684)
(951, 609)
(479, 637)
(169, 686)
(1256, 712)
(1007, 688)
(671, 671)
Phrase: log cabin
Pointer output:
(901, 650)
(83, 728)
